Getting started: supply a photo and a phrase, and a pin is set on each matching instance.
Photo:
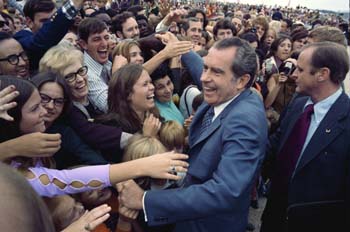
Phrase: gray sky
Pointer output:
(335, 5)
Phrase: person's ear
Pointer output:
(82, 44)
(120, 35)
(29, 23)
(243, 81)
(183, 32)
(323, 74)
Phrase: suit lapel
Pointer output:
(330, 127)
(295, 114)
(195, 136)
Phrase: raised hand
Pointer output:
(6, 96)
(151, 126)
(38, 144)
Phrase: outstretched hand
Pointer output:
(90, 220)
(164, 165)
(6, 96)
(151, 126)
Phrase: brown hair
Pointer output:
(123, 48)
(172, 135)
(119, 106)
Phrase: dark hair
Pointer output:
(4, 36)
(185, 25)
(46, 77)
(11, 130)
(206, 36)
(224, 24)
(276, 43)
(119, 91)
(245, 60)
(89, 26)
(250, 37)
(148, 45)
(288, 21)
(197, 101)
(31, 7)
(141, 17)
(194, 12)
(7, 16)
(332, 56)
(135, 9)
(299, 33)
(119, 20)
(162, 71)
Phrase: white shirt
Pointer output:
(98, 88)
(320, 110)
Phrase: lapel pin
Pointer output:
(328, 131)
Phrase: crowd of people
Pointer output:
(172, 116)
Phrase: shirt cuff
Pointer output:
(143, 205)
(124, 139)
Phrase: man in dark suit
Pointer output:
(310, 187)
(227, 141)
(46, 27)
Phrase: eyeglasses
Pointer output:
(56, 101)
(71, 77)
(14, 58)
(3, 23)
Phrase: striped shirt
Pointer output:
(98, 86)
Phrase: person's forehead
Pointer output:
(224, 30)
(10, 47)
(199, 15)
(98, 34)
(195, 24)
(129, 22)
(219, 57)
(236, 20)
(305, 56)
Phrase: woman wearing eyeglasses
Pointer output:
(68, 62)
(56, 100)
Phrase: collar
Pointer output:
(94, 65)
(219, 108)
(321, 108)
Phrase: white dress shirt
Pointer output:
(98, 87)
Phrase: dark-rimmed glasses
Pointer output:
(14, 58)
(56, 101)
(3, 23)
(71, 77)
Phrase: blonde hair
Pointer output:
(141, 146)
(172, 135)
(123, 48)
(276, 25)
(57, 58)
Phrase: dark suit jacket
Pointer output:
(322, 175)
(223, 163)
(49, 35)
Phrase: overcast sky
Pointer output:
(335, 5)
